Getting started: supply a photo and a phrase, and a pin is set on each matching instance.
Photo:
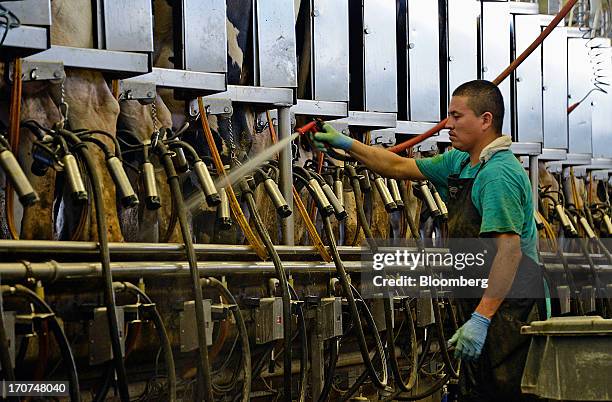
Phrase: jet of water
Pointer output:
(253, 163)
(243, 170)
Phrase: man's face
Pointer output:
(466, 129)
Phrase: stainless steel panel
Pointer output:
(521, 7)
(579, 84)
(462, 42)
(526, 148)
(262, 96)
(122, 63)
(23, 41)
(423, 61)
(204, 83)
(277, 63)
(496, 50)
(380, 58)
(554, 86)
(527, 82)
(330, 50)
(205, 36)
(30, 12)
(602, 102)
(369, 119)
(128, 25)
(320, 108)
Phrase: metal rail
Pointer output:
(53, 270)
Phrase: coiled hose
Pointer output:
(109, 294)
(161, 334)
(247, 194)
(203, 364)
(58, 333)
(303, 177)
(386, 295)
(242, 330)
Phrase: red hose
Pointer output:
(513, 66)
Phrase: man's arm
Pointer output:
(470, 338)
(386, 163)
(379, 160)
(501, 276)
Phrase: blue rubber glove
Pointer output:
(470, 338)
(331, 136)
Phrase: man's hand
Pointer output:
(331, 136)
(470, 338)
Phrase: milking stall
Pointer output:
(305, 200)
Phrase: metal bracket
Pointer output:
(212, 106)
(142, 91)
(329, 318)
(40, 71)
(100, 350)
(267, 314)
(188, 325)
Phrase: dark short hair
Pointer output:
(484, 96)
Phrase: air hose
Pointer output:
(326, 211)
(244, 337)
(58, 333)
(161, 333)
(203, 365)
(247, 193)
(109, 294)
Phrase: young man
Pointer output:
(489, 196)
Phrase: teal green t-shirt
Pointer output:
(501, 192)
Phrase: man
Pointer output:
(489, 196)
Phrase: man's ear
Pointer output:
(487, 120)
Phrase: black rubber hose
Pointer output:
(428, 392)
(203, 364)
(367, 315)
(284, 286)
(58, 333)
(445, 355)
(331, 370)
(346, 285)
(303, 347)
(386, 296)
(244, 336)
(363, 347)
(162, 335)
(109, 294)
